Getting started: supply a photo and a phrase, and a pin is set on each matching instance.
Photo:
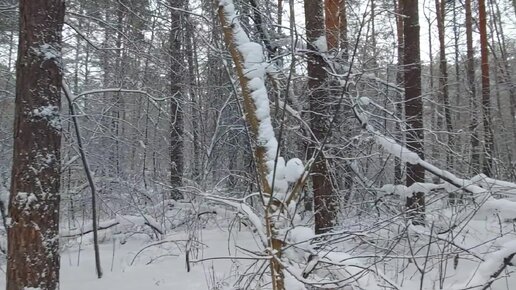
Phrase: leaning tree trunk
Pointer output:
(413, 104)
(33, 234)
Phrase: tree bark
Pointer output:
(398, 168)
(33, 234)
(176, 110)
(413, 105)
(325, 201)
(470, 74)
(443, 78)
(505, 70)
(343, 21)
(486, 93)
(332, 20)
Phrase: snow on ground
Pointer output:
(466, 250)
(158, 267)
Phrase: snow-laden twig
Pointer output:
(494, 185)
(120, 220)
(405, 191)
(116, 90)
(173, 241)
(489, 270)
(153, 100)
(245, 210)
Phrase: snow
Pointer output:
(280, 186)
(246, 210)
(313, 260)
(398, 189)
(457, 182)
(280, 167)
(404, 191)
(291, 283)
(271, 146)
(46, 111)
(397, 150)
(254, 70)
(495, 186)
(158, 267)
(25, 199)
(140, 263)
(262, 111)
(121, 223)
(294, 169)
(301, 235)
(364, 101)
(493, 261)
(252, 53)
(321, 43)
(49, 113)
(256, 84)
(502, 208)
(48, 52)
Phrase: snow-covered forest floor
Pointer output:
(372, 249)
(161, 266)
(137, 261)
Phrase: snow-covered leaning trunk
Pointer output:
(505, 208)
(274, 173)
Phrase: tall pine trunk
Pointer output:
(398, 166)
(486, 92)
(176, 110)
(470, 74)
(443, 79)
(33, 234)
(413, 105)
(325, 201)
(331, 20)
(343, 22)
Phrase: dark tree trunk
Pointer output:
(343, 21)
(332, 23)
(176, 111)
(486, 93)
(398, 166)
(325, 201)
(413, 104)
(443, 78)
(470, 74)
(33, 234)
(505, 70)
